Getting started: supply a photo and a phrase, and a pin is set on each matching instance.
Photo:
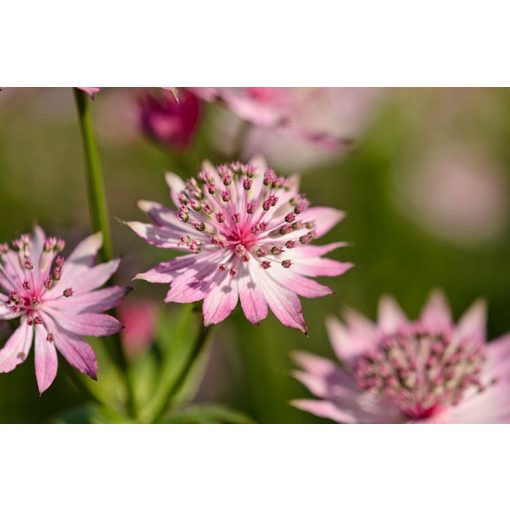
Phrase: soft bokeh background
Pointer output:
(426, 187)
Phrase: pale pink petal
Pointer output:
(75, 350)
(325, 218)
(498, 358)
(320, 267)
(252, 298)
(166, 218)
(88, 324)
(490, 406)
(220, 301)
(390, 315)
(17, 347)
(91, 91)
(324, 409)
(95, 301)
(473, 324)
(351, 342)
(332, 383)
(161, 237)
(86, 251)
(296, 283)
(165, 272)
(176, 185)
(283, 303)
(436, 314)
(88, 280)
(307, 251)
(46, 362)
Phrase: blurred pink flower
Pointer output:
(427, 371)
(458, 194)
(248, 232)
(292, 126)
(139, 318)
(168, 119)
(91, 91)
(57, 303)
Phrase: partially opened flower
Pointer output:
(170, 120)
(90, 91)
(247, 234)
(57, 302)
(424, 371)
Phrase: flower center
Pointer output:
(421, 373)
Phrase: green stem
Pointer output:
(100, 222)
(185, 372)
(97, 196)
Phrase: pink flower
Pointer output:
(426, 371)
(91, 91)
(139, 318)
(247, 233)
(170, 120)
(57, 302)
(300, 113)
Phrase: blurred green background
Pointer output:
(425, 188)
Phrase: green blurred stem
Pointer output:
(187, 368)
(99, 215)
(97, 196)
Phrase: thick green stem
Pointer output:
(184, 373)
(97, 196)
(100, 222)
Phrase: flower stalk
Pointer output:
(99, 216)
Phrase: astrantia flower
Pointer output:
(247, 233)
(56, 302)
(326, 118)
(426, 371)
(168, 119)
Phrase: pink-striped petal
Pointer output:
(95, 301)
(390, 315)
(86, 251)
(436, 314)
(176, 185)
(325, 218)
(220, 301)
(160, 237)
(17, 347)
(46, 362)
(88, 324)
(252, 298)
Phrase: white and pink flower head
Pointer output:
(427, 371)
(247, 234)
(57, 302)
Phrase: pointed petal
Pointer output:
(321, 267)
(95, 301)
(473, 323)
(354, 340)
(46, 363)
(436, 314)
(283, 303)
(219, 302)
(252, 298)
(176, 185)
(166, 271)
(324, 409)
(160, 237)
(87, 280)
(390, 315)
(86, 251)
(88, 324)
(78, 354)
(17, 347)
(296, 283)
(325, 218)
